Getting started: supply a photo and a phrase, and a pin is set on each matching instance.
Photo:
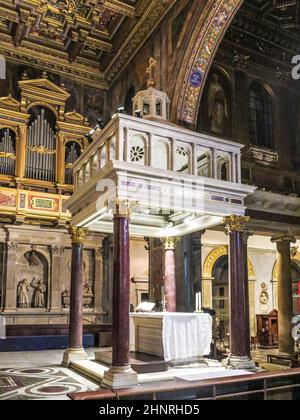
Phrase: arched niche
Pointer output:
(138, 148)
(223, 166)
(215, 115)
(8, 142)
(32, 281)
(182, 157)
(204, 162)
(208, 277)
(161, 153)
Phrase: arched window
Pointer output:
(261, 117)
(7, 151)
(73, 151)
(41, 145)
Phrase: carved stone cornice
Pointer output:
(78, 235)
(236, 223)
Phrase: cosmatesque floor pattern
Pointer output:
(41, 383)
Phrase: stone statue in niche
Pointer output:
(23, 294)
(32, 259)
(88, 295)
(217, 106)
(40, 290)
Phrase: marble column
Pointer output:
(240, 357)
(75, 349)
(170, 273)
(121, 375)
(285, 293)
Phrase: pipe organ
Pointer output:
(41, 149)
(7, 151)
(39, 141)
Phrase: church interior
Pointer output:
(149, 199)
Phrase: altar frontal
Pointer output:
(175, 337)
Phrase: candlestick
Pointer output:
(198, 302)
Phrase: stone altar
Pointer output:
(178, 337)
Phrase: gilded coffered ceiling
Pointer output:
(86, 40)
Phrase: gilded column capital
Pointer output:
(78, 234)
(236, 223)
(123, 208)
(169, 243)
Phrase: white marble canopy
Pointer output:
(181, 181)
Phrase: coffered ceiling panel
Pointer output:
(86, 40)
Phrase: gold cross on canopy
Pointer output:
(150, 70)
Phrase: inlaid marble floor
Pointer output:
(41, 383)
(39, 376)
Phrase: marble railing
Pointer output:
(159, 145)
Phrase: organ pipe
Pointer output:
(72, 154)
(41, 149)
(7, 152)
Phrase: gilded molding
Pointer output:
(7, 155)
(41, 150)
(214, 256)
(199, 56)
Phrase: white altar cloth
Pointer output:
(183, 335)
(186, 335)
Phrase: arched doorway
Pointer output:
(215, 281)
